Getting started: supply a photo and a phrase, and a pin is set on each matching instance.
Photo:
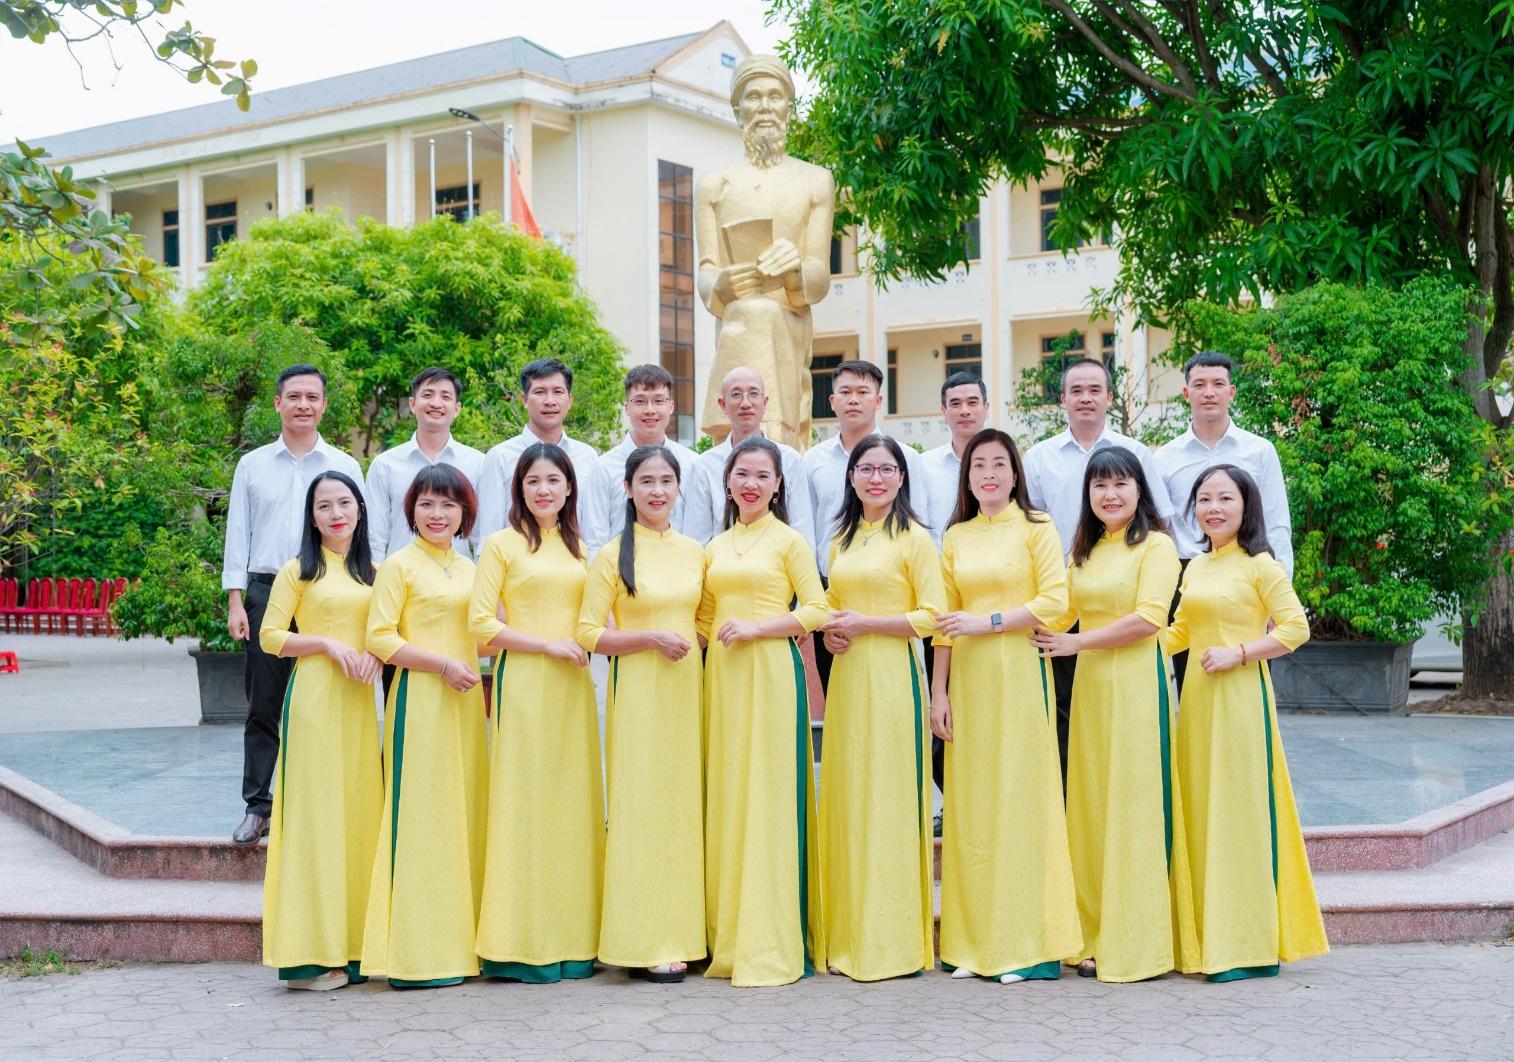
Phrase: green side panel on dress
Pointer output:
(1164, 732)
(1045, 695)
(499, 687)
(1242, 973)
(436, 982)
(801, 769)
(1041, 971)
(284, 735)
(354, 977)
(1271, 793)
(400, 694)
(914, 688)
(546, 974)
(304, 973)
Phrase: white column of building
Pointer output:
(524, 157)
(399, 178)
(191, 226)
(290, 182)
(995, 350)
(1004, 366)
(102, 198)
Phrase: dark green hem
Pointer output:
(1164, 735)
(546, 974)
(304, 973)
(1041, 971)
(353, 976)
(435, 982)
(499, 685)
(1242, 973)
(914, 688)
(401, 691)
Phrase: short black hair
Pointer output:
(858, 367)
(649, 378)
(962, 379)
(541, 368)
(432, 375)
(302, 368)
(1108, 377)
(448, 482)
(1211, 359)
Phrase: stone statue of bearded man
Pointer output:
(763, 233)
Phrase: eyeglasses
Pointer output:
(869, 471)
(640, 404)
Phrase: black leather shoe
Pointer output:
(253, 828)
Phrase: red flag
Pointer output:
(520, 209)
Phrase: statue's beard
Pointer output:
(766, 145)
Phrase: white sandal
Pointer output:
(324, 983)
(962, 972)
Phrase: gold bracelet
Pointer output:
(1243, 654)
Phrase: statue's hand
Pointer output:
(780, 258)
(737, 282)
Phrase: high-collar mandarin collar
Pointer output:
(641, 531)
(760, 524)
(1003, 516)
(1233, 546)
(438, 552)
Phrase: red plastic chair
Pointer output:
(39, 602)
(10, 592)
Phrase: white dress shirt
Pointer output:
(825, 467)
(1054, 477)
(389, 478)
(1182, 460)
(704, 511)
(499, 470)
(943, 471)
(266, 517)
(610, 513)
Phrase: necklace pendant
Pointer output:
(447, 572)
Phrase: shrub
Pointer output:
(1395, 501)
(180, 594)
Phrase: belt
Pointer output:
(260, 577)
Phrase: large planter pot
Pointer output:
(1370, 678)
(223, 686)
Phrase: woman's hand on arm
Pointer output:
(458, 674)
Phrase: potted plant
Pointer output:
(1395, 484)
(180, 596)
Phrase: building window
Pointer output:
(893, 381)
(964, 357)
(1051, 199)
(822, 376)
(220, 226)
(1106, 347)
(675, 283)
(1058, 352)
(973, 230)
(455, 201)
(310, 198)
(836, 256)
(171, 238)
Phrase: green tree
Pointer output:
(37, 201)
(1394, 506)
(480, 298)
(1231, 147)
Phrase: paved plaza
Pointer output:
(1420, 1001)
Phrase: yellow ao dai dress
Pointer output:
(540, 916)
(762, 897)
(1252, 892)
(1007, 900)
(429, 863)
(1124, 801)
(654, 849)
(328, 788)
(875, 808)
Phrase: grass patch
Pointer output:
(29, 963)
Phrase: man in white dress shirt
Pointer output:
(744, 401)
(649, 408)
(1215, 439)
(856, 399)
(964, 408)
(546, 390)
(1054, 478)
(264, 523)
(435, 401)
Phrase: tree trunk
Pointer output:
(1488, 647)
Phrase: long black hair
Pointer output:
(900, 515)
(1114, 462)
(639, 456)
(779, 505)
(967, 505)
(359, 562)
(1253, 533)
(522, 519)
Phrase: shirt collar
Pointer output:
(415, 446)
(280, 447)
(1066, 439)
(1190, 438)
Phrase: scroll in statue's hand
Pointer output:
(781, 257)
(738, 281)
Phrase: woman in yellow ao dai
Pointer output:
(875, 821)
(428, 865)
(328, 789)
(650, 578)
(1252, 892)
(540, 916)
(762, 897)
(1007, 903)
(1124, 804)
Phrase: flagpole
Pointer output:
(432, 142)
(469, 190)
(509, 174)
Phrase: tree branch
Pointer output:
(1130, 69)
(1153, 35)
(1220, 10)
